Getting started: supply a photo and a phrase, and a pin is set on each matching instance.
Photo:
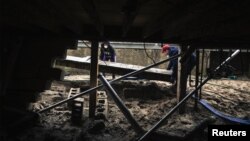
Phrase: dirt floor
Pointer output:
(231, 97)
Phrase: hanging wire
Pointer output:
(144, 46)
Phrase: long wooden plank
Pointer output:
(116, 68)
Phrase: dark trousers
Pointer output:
(112, 59)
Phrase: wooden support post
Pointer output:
(93, 77)
(202, 70)
(182, 80)
(197, 71)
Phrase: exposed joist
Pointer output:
(130, 10)
(169, 12)
(161, 20)
(221, 12)
(116, 68)
(31, 17)
(231, 32)
(189, 15)
(176, 18)
(92, 11)
(64, 11)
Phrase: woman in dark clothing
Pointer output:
(107, 54)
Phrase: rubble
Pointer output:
(56, 124)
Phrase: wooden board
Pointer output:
(116, 68)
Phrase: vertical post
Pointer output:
(93, 77)
(241, 63)
(197, 71)
(202, 69)
(1, 83)
(182, 80)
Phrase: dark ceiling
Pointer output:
(176, 21)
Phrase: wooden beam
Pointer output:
(169, 13)
(116, 68)
(220, 31)
(211, 15)
(191, 17)
(92, 11)
(197, 73)
(64, 13)
(182, 80)
(93, 77)
(188, 16)
(30, 17)
(130, 10)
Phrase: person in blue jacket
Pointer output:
(172, 51)
(107, 53)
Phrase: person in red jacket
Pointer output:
(172, 51)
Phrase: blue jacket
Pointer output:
(173, 63)
(172, 52)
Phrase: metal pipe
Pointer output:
(158, 124)
(121, 105)
(117, 79)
